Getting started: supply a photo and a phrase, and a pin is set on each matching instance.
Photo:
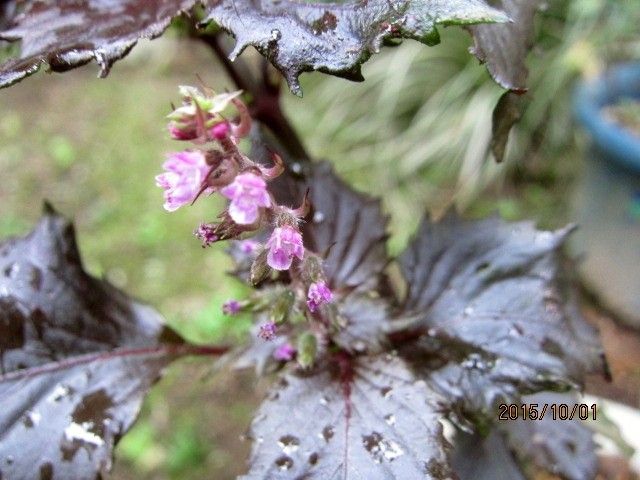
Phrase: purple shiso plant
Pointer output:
(370, 353)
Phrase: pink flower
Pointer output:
(318, 294)
(267, 331)
(184, 173)
(284, 352)
(248, 192)
(220, 130)
(284, 244)
(179, 131)
(190, 131)
(231, 307)
(248, 247)
(206, 234)
(200, 117)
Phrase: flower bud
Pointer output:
(220, 130)
(318, 294)
(282, 307)
(206, 234)
(267, 331)
(284, 352)
(259, 268)
(200, 119)
(312, 268)
(307, 349)
(231, 307)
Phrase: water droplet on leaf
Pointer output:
(284, 463)
(289, 444)
(327, 433)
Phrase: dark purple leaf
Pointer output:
(364, 419)
(483, 458)
(363, 318)
(77, 357)
(561, 447)
(498, 315)
(349, 226)
(504, 47)
(337, 38)
(506, 114)
(7, 12)
(69, 33)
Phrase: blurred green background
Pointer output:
(416, 130)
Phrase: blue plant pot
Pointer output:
(616, 143)
(606, 199)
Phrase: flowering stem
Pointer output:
(265, 97)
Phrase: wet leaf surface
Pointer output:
(70, 33)
(357, 419)
(77, 357)
(498, 316)
(337, 38)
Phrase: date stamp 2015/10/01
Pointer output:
(555, 411)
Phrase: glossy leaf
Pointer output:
(70, 33)
(77, 357)
(364, 418)
(499, 317)
(337, 38)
